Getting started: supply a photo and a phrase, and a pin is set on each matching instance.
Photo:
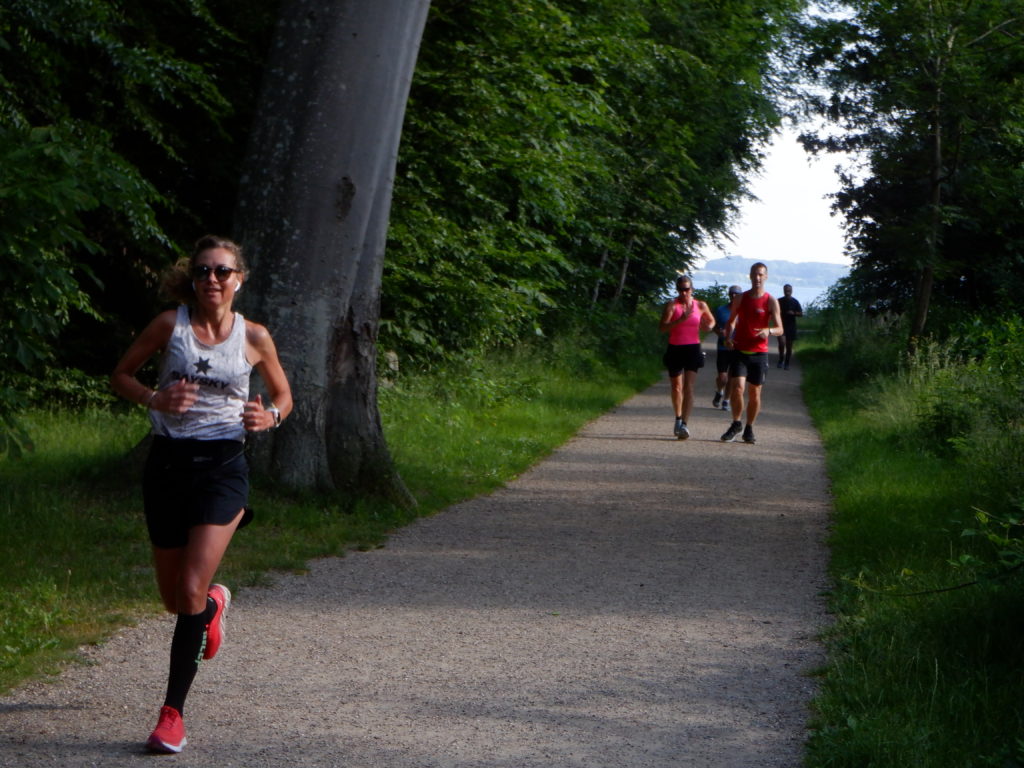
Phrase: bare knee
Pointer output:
(191, 595)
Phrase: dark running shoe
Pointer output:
(748, 434)
(682, 432)
(717, 401)
(732, 432)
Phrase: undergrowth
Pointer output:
(926, 657)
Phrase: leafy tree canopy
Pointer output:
(556, 153)
(930, 93)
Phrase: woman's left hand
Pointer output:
(255, 417)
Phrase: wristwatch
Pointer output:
(277, 415)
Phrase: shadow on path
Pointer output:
(633, 601)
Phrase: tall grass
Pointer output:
(74, 545)
(920, 672)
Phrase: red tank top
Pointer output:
(754, 313)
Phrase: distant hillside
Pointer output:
(810, 280)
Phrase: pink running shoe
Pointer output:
(215, 629)
(169, 735)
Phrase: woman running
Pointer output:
(683, 320)
(196, 479)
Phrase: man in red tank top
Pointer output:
(750, 324)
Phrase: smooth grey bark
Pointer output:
(312, 216)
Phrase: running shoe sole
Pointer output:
(155, 744)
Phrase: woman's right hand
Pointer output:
(177, 398)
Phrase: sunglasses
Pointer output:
(222, 272)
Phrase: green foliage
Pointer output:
(102, 105)
(928, 95)
(531, 178)
(45, 196)
(714, 295)
(869, 343)
(926, 470)
(534, 180)
(1005, 534)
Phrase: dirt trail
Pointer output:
(633, 601)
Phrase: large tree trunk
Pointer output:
(312, 216)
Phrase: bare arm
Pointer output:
(734, 314)
(666, 317)
(262, 353)
(776, 321)
(707, 321)
(177, 398)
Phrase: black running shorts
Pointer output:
(193, 482)
(752, 366)
(723, 359)
(683, 357)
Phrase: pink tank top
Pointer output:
(688, 331)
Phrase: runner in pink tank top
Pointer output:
(683, 319)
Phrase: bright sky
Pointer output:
(790, 221)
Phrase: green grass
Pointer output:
(74, 546)
(930, 680)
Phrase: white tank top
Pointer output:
(222, 373)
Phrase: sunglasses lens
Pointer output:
(222, 272)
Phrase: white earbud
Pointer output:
(238, 285)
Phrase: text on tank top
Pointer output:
(222, 373)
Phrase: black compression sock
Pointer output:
(187, 646)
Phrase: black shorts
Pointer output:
(683, 357)
(789, 331)
(751, 366)
(193, 482)
(723, 360)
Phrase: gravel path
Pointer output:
(633, 601)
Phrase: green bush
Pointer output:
(925, 461)
(864, 344)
